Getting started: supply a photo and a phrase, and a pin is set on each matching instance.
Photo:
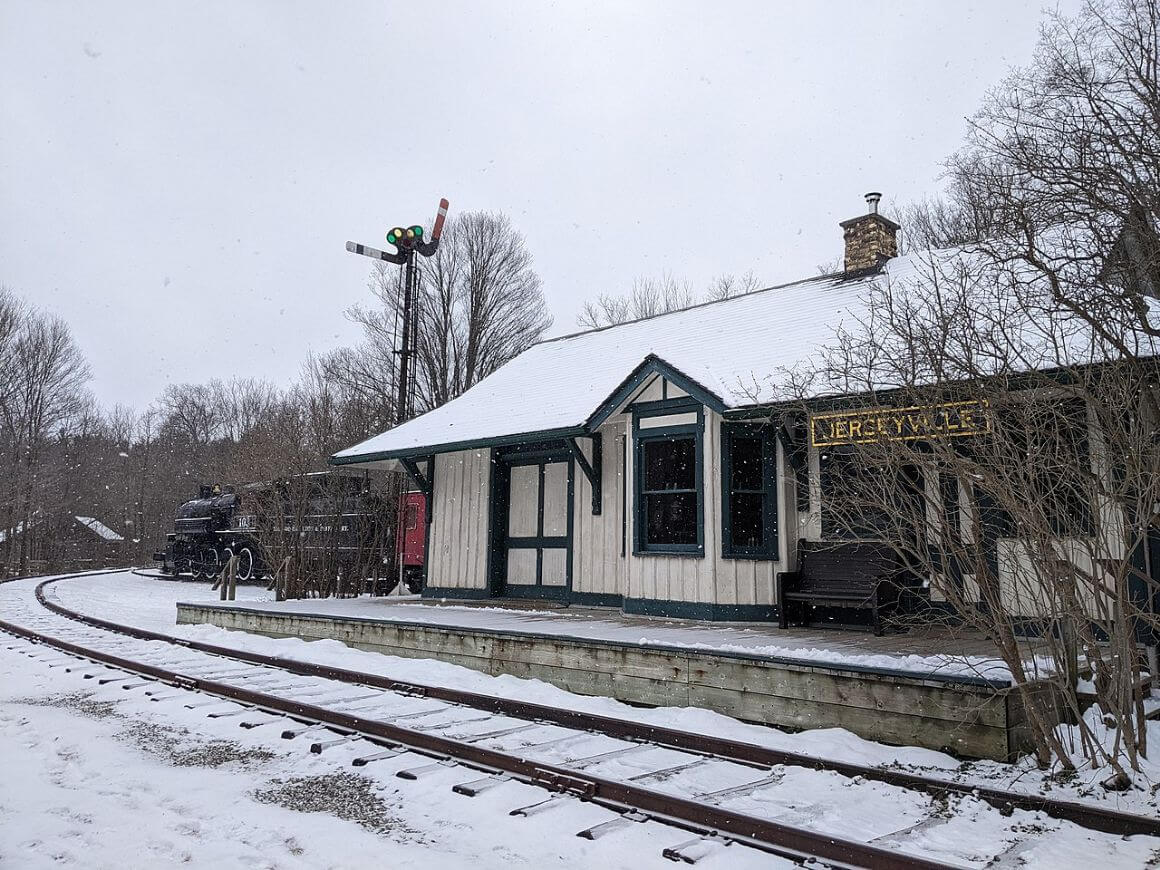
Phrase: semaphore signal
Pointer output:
(407, 241)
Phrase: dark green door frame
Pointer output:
(503, 461)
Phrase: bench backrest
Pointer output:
(854, 565)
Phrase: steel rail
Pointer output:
(1094, 818)
(787, 841)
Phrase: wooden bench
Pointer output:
(856, 575)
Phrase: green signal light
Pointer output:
(418, 232)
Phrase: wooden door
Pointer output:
(536, 544)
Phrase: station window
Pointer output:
(668, 490)
(749, 493)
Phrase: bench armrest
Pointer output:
(788, 579)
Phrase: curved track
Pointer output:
(400, 717)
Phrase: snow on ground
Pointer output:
(107, 778)
(150, 603)
(97, 777)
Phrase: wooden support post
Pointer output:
(280, 580)
(232, 568)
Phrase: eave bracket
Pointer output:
(421, 480)
(592, 470)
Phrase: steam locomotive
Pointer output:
(335, 519)
(208, 531)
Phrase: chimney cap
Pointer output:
(872, 200)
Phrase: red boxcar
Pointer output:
(411, 542)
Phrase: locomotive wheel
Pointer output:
(245, 564)
(208, 564)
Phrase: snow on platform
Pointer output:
(931, 653)
(936, 701)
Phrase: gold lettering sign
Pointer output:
(952, 420)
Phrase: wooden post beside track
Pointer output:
(277, 583)
(228, 580)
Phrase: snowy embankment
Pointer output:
(150, 603)
(97, 777)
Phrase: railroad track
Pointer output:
(552, 748)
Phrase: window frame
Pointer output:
(641, 437)
(769, 549)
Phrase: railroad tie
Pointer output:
(427, 769)
(479, 786)
(624, 820)
(364, 760)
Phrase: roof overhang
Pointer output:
(384, 456)
(651, 366)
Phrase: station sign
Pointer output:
(920, 422)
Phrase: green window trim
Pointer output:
(644, 436)
(768, 549)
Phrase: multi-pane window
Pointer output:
(1051, 484)
(749, 493)
(670, 500)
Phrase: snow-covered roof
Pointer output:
(738, 351)
(728, 348)
(99, 528)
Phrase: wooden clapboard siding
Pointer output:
(651, 392)
(712, 578)
(459, 520)
(662, 577)
(598, 565)
(739, 581)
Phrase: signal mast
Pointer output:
(407, 241)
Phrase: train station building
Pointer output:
(649, 465)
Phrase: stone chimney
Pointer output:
(871, 239)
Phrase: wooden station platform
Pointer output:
(727, 668)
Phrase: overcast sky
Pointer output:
(178, 180)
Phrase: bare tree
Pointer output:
(1041, 327)
(1007, 454)
(652, 296)
(729, 285)
(189, 412)
(45, 391)
(480, 304)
